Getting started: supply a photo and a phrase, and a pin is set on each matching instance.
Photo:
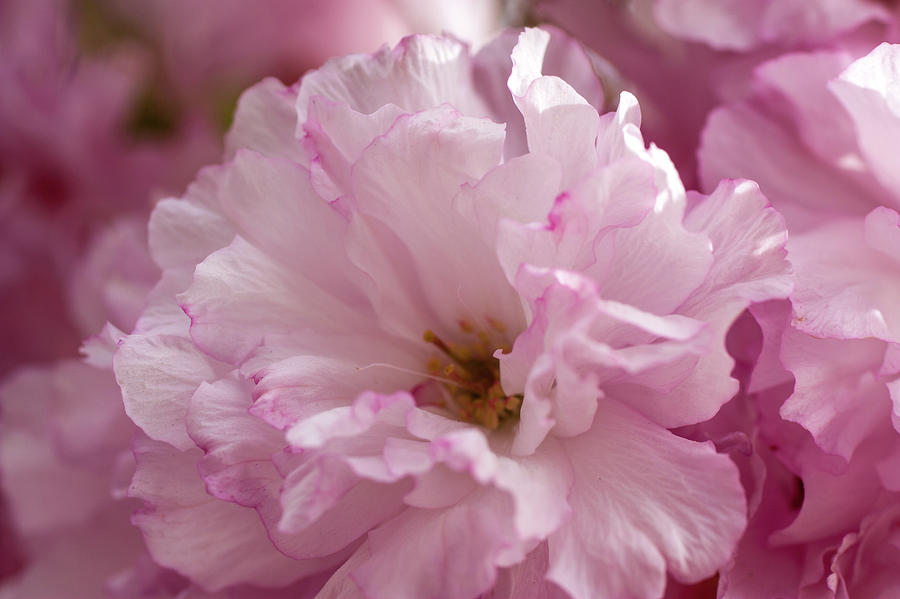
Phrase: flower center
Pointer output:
(470, 375)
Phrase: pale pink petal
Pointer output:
(579, 229)
(747, 240)
(407, 180)
(183, 232)
(531, 182)
(315, 509)
(272, 205)
(558, 121)
(86, 417)
(298, 387)
(527, 579)
(739, 26)
(338, 135)
(794, 86)
(265, 121)
(349, 421)
(325, 508)
(590, 344)
(565, 57)
(773, 318)
(870, 92)
(844, 289)
(725, 26)
(337, 494)
(659, 248)
(740, 140)
(454, 552)
(687, 516)
(113, 280)
(158, 375)
(866, 562)
(837, 397)
(421, 72)
(539, 485)
(215, 543)
(238, 447)
(882, 230)
(240, 296)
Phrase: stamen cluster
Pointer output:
(471, 378)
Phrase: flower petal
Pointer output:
(643, 500)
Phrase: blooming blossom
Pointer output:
(424, 334)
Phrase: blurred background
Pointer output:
(108, 105)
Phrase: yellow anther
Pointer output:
(471, 377)
(496, 325)
(434, 365)
(490, 419)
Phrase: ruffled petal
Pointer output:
(578, 345)
(213, 542)
(644, 500)
(844, 288)
(158, 375)
(870, 92)
(430, 259)
(265, 121)
(558, 121)
(421, 72)
(837, 396)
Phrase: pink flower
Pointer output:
(435, 355)
(844, 252)
(816, 135)
(65, 445)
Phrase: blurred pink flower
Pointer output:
(437, 355)
(211, 46)
(62, 172)
(845, 248)
(683, 58)
(64, 446)
(744, 25)
(817, 134)
(68, 168)
(106, 105)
